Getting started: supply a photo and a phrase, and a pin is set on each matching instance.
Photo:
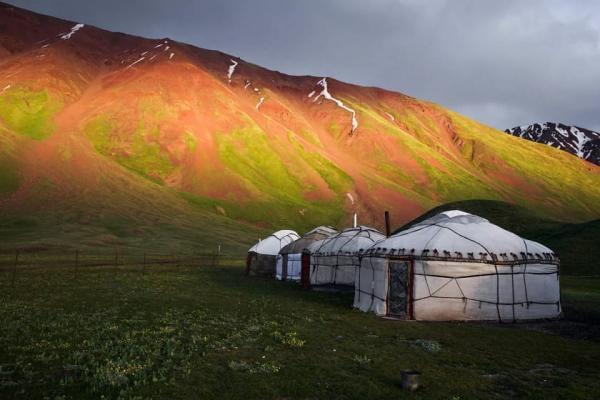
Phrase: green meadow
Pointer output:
(210, 332)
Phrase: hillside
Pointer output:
(134, 140)
(583, 143)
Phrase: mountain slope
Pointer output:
(581, 142)
(93, 123)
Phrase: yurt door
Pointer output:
(284, 267)
(305, 270)
(399, 276)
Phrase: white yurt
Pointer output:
(458, 266)
(335, 260)
(289, 258)
(262, 256)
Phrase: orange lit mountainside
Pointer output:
(111, 130)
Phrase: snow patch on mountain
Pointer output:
(171, 55)
(6, 88)
(583, 143)
(135, 62)
(325, 93)
(350, 197)
(390, 116)
(248, 83)
(75, 28)
(260, 102)
(231, 69)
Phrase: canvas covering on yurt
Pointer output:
(289, 259)
(458, 266)
(336, 259)
(262, 256)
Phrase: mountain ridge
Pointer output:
(581, 142)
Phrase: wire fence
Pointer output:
(116, 259)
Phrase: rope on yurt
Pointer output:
(440, 288)
(484, 301)
(341, 256)
(479, 275)
(337, 256)
(497, 293)
(495, 268)
(372, 283)
(423, 266)
(525, 280)
(371, 293)
(512, 281)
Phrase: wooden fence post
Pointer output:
(76, 261)
(15, 268)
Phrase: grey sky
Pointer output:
(504, 63)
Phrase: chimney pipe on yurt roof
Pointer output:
(354, 221)
(388, 231)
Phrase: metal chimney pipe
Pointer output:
(388, 231)
(355, 221)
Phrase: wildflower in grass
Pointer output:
(268, 367)
(361, 359)
(428, 345)
(240, 366)
(291, 339)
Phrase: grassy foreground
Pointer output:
(210, 332)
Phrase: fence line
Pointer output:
(78, 260)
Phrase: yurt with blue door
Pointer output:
(458, 266)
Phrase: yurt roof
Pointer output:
(317, 234)
(326, 231)
(275, 242)
(458, 234)
(351, 240)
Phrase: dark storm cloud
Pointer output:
(503, 62)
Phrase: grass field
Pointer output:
(210, 332)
